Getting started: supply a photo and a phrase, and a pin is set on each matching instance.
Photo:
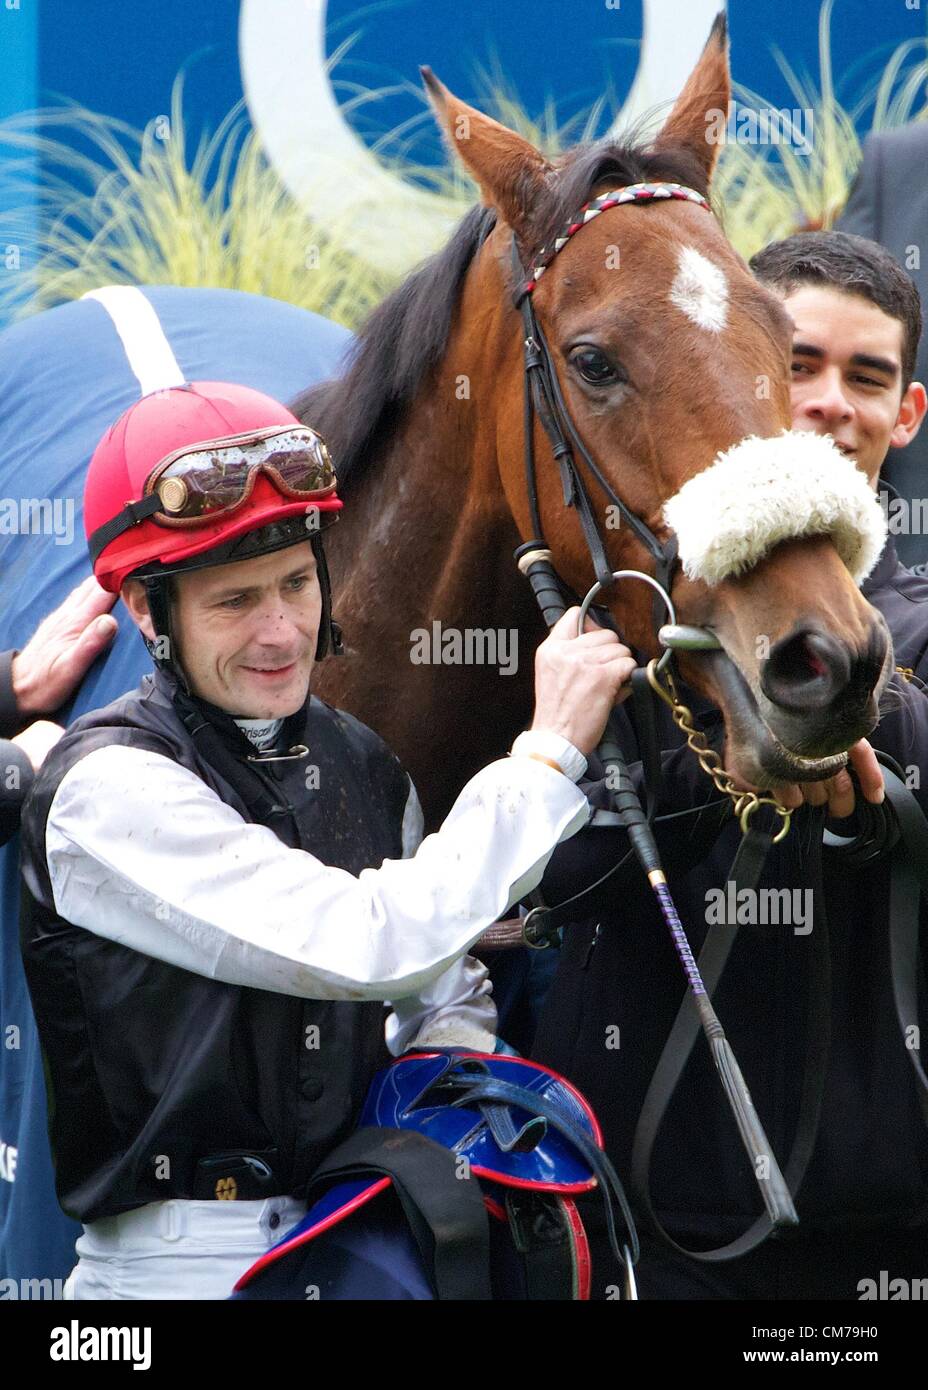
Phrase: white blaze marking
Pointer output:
(700, 290)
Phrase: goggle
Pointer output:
(203, 484)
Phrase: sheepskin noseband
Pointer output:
(763, 491)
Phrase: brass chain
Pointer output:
(908, 674)
(744, 803)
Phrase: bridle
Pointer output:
(542, 393)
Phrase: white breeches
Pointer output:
(177, 1249)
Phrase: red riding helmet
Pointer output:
(186, 470)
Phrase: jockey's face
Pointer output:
(847, 375)
(247, 632)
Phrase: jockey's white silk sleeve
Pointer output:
(457, 1009)
(141, 851)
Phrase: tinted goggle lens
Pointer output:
(212, 480)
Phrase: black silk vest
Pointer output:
(153, 1069)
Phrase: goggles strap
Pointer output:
(131, 515)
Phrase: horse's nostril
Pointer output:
(798, 660)
(815, 663)
(805, 671)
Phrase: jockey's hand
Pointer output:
(578, 679)
(837, 793)
(55, 659)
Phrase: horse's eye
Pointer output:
(594, 366)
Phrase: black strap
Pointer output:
(244, 778)
(445, 1211)
(644, 709)
(899, 827)
(537, 377)
(543, 923)
(541, 1234)
(528, 435)
(477, 1087)
(750, 858)
(131, 514)
(11, 720)
(744, 873)
(908, 880)
(559, 408)
(543, 393)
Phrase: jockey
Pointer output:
(225, 877)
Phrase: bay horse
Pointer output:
(668, 353)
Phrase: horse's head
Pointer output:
(674, 365)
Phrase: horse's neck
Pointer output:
(428, 538)
(424, 533)
(416, 540)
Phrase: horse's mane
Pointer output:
(405, 337)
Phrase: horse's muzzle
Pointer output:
(818, 696)
(815, 699)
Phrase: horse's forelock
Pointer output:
(587, 167)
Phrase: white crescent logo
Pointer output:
(330, 171)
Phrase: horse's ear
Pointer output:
(701, 110)
(512, 174)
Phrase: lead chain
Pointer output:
(744, 803)
(908, 674)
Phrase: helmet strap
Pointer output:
(330, 634)
(159, 592)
